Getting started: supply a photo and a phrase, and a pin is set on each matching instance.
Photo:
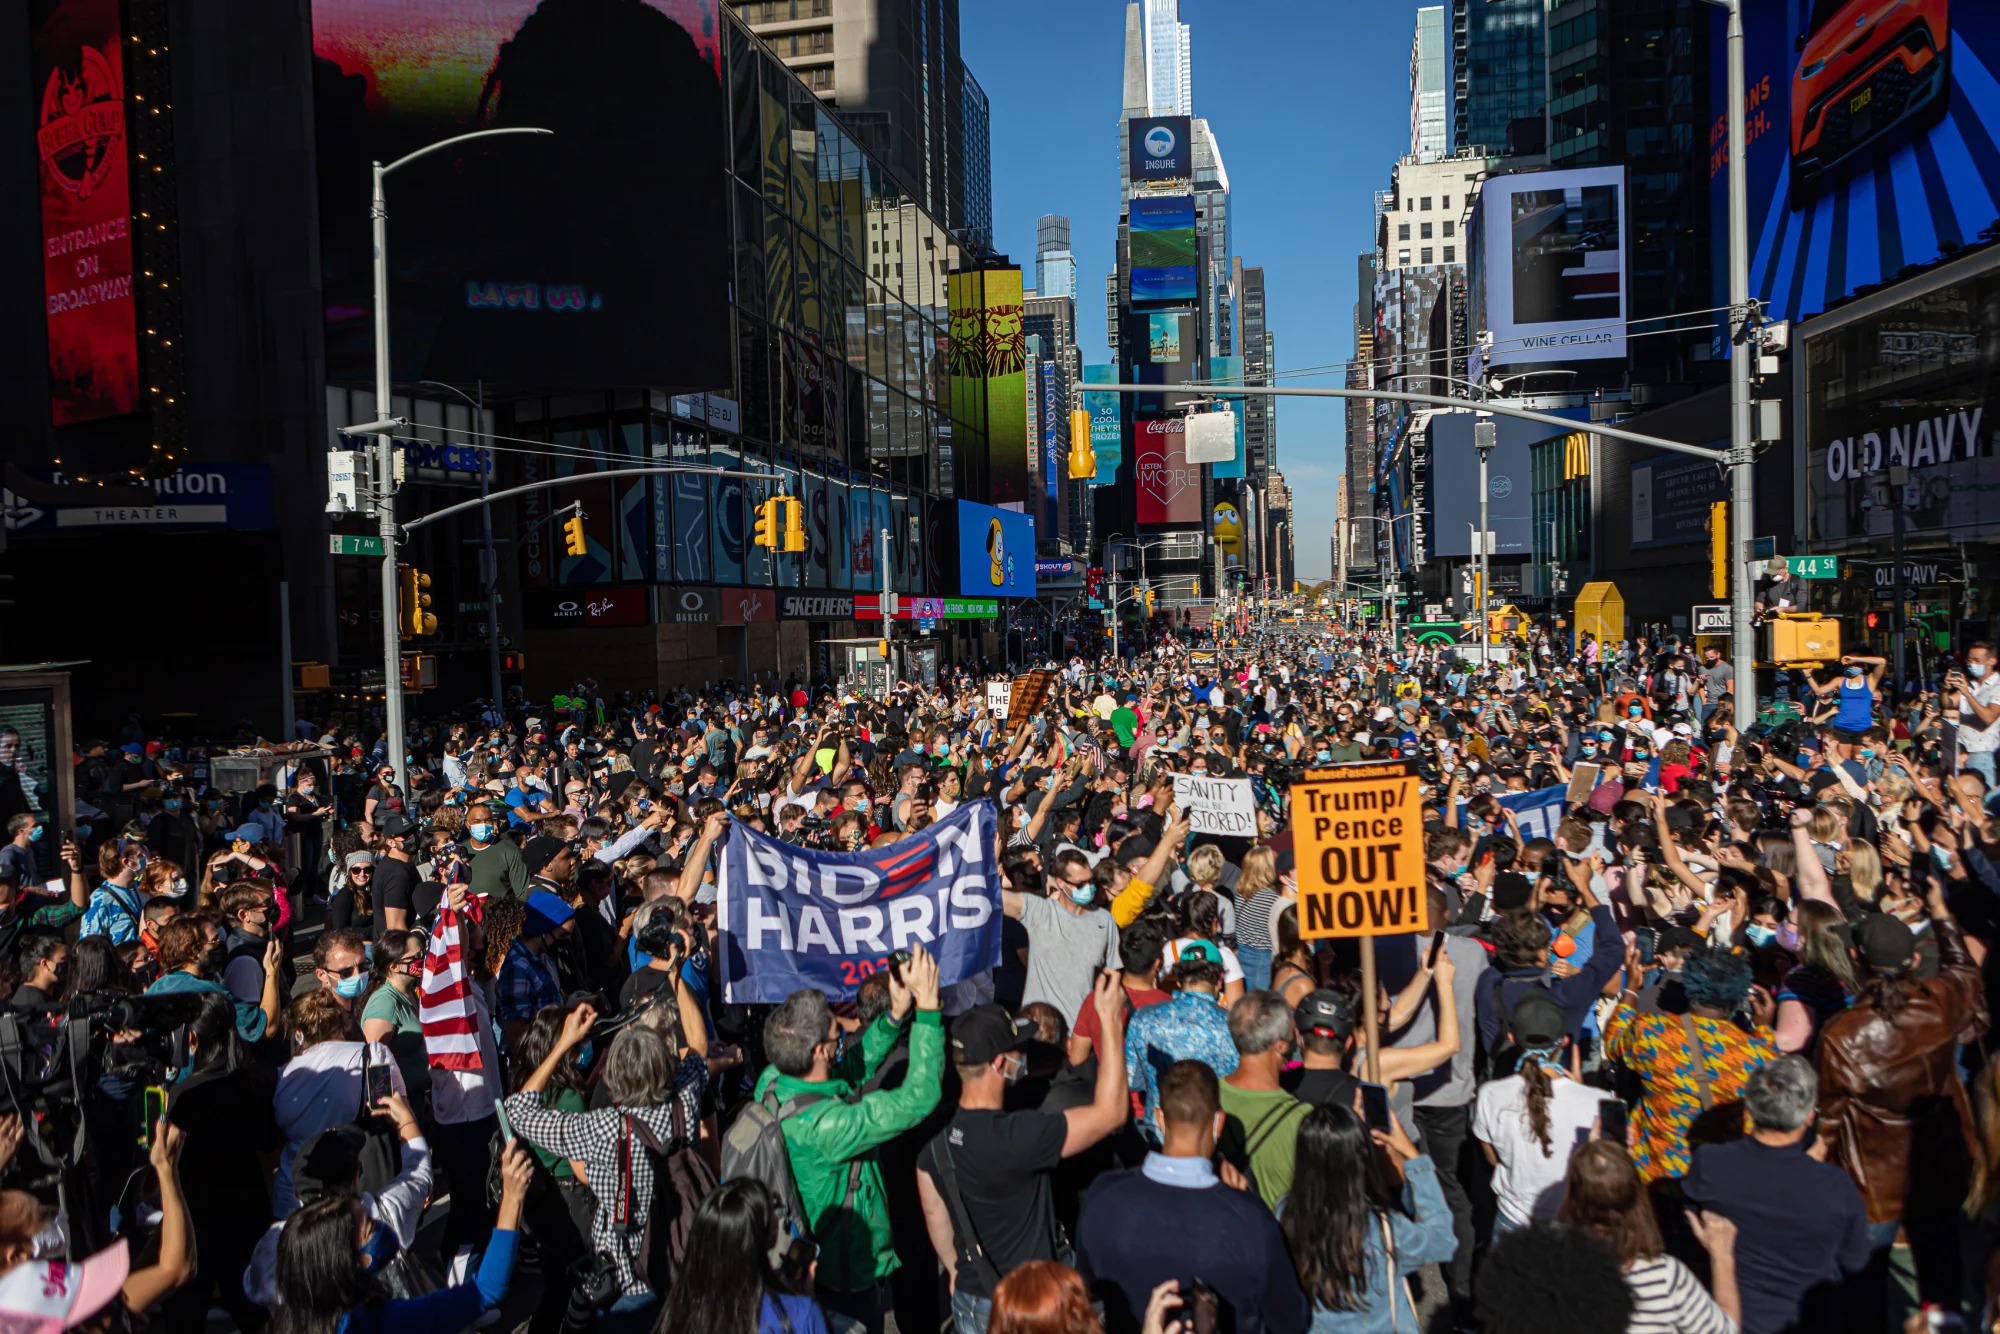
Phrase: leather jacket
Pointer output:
(1892, 1109)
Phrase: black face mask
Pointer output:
(215, 960)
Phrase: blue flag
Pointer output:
(793, 918)
(1537, 812)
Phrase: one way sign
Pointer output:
(1711, 619)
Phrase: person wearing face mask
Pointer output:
(42, 960)
(192, 956)
(984, 1181)
(306, 811)
(1973, 698)
(24, 831)
(248, 918)
(497, 868)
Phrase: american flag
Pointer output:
(444, 1007)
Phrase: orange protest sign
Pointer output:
(1358, 840)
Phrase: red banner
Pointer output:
(79, 78)
(1169, 486)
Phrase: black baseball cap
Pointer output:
(986, 1031)
(1537, 1021)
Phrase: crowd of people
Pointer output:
(1694, 1038)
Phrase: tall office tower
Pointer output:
(1055, 262)
(1629, 85)
(894, 69)
(1360, 541)
(1499, 84)
(1169, 60)
(1430, 83)
(1051, 321)
(1211, 211)
(1258, 414)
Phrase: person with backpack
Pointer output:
(829, 1178)
(627, 1147)
(985, 1181)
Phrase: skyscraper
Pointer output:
(1259, 411)
(1499, 81)
(1211, 206)
(1169, 60)
(1055, 262)
(1430, 83)
(894, 69)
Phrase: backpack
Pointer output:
(754, 1146)
(682, 1179)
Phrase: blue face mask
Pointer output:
(347, 988)
(35, 834)
(263, 805)
(1761, 936)
(1323, 755)
(1867, 754)
(1635, 712)
(1589, 747)
(1083, 893)
(481, 832)
(171, 804)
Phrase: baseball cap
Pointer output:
(1537, 1021)
(984, 1032)
(1325, 1013)
(545, 912)
(328, 1162)
(249, 833)
(1884, 941)
(47, 1296)
(395, 825)
(1199, 950)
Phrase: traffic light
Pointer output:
(573, 543)
(883, 646)
(795, 523)
(1082, 458)
(1718, 549)
(1149, 602)
(1874, 620)
(412, 600)
(513, 661)
(766, 534)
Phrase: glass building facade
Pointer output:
(840, 321)
(1499, 84)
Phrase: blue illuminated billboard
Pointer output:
(1163, 248)
(996, 552)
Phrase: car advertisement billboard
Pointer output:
(988, 362)
(1453, 489)
(1870, 142)
(996, 552)
(78, 82)
(1552, 288)
(590, 257)
(1161, 148)
(1163, 248)
(1169, 486)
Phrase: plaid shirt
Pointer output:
(616, 1161)
(528, 982)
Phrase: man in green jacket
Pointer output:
(847, 1209)
(497, 868)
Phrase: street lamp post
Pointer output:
(384, 449)
(1485, 435)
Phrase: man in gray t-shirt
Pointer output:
(1718, 678)
(1067, 943)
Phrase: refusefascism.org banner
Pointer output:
(794, 917)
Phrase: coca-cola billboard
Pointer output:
(1169, 486)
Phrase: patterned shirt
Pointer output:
(1655, 1048)
(113, 912)
(615, 1158)
(528, 982)
(1190, 1027)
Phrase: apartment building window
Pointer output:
(1449, 225)
(1451, 254)
(1426, 255)
(1445, 203)
(1427, 203)
(1403, 231)
(819, 78)
(1403, 258)
(822, 8)
(1427, 231)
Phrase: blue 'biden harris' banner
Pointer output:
(793, 917)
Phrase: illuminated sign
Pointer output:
(607, 607)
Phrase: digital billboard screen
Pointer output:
(1163, 248)
(996, 552)
(1161, 148)
(1553, 285)
(988, 361)
(78, 83)
(1870, 142)
(1169, 486)
(1107, 432)
(591, 257)
(1454, 486)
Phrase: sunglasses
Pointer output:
(348, 971)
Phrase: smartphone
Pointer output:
(1375, 1106)
(506, 1126)
(1611, 1120)
(153, 1107)
(1204, 1308)
(1437, 948)
(380, 1085)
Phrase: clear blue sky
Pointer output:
(1310, 103)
